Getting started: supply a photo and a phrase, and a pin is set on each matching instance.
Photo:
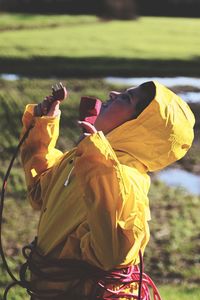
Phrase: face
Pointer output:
(120, 108)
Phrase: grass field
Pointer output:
(86, 45)
(171, 292)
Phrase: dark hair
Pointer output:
(147, 94)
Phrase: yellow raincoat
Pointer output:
(93, 199)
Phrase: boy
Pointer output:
(93, 198)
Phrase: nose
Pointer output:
(113, 95)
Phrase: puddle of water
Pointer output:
(193, 97)
(10, 77)
(168, 81)
(178, 177)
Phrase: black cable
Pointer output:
(8, 289)
(15, 280)
(141, 276)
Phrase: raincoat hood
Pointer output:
(159, 136)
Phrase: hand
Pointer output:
(87, 128)
(50, 105)
(47, 108)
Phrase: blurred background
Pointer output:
(94, 47)
(112, 8)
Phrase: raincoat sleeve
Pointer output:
(38, 152)
(116, 216)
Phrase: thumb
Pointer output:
(54, 109)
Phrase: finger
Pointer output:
(45, 106)
(89, 128)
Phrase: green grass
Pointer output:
(20, 21)
(179, 292)
(128, 39)
(69, 45)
